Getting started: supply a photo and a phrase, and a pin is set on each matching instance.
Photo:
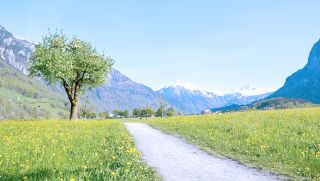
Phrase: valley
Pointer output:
(159, 90)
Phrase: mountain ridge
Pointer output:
(304, 83)
(193, 99)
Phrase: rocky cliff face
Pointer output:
(13, 51)
(305, 83)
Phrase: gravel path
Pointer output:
(175, 159)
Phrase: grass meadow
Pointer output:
(284, 141)
(64, 150)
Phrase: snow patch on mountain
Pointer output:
(244, 91)
(187, 85)
(181, 86)
(254, 90)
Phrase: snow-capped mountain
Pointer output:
(181, 86)
(254, 90)
(14, 51)
(189, 98)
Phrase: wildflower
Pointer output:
(131, 150)
(113, 173)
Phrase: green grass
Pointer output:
(285, 141)
(64, 150)
(134, 120)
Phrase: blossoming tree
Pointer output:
(73, 63)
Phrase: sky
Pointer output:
(217, 45)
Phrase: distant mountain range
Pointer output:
(305, 83)
(189, 98)
(119, 92)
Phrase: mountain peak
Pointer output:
(314, 57)
(187, 85)
(14, 51)
(248, 90)
(305, 83)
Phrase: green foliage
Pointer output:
(147, 112)
(136, 112)
(285, 141)
(91, 115)
(124, 113)
(88, 114)
(58, 58)
(73, 63)
(171, 111)
(60, 150)
(267, 104)
(281, 103)
(161, 111)
(104, 115)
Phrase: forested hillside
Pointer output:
(27, 98)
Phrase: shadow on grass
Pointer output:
(48, 174)
(43, 174)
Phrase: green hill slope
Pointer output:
(27, 98)
(268, 104)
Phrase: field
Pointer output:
(285, 141)
(64, 150)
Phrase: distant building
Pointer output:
(205, 112)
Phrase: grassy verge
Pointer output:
(286, 141)
(62, 150)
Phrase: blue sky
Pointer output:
(218, 45)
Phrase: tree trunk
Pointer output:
(73, 112)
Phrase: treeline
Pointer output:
(87, 113)
(136, 113)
